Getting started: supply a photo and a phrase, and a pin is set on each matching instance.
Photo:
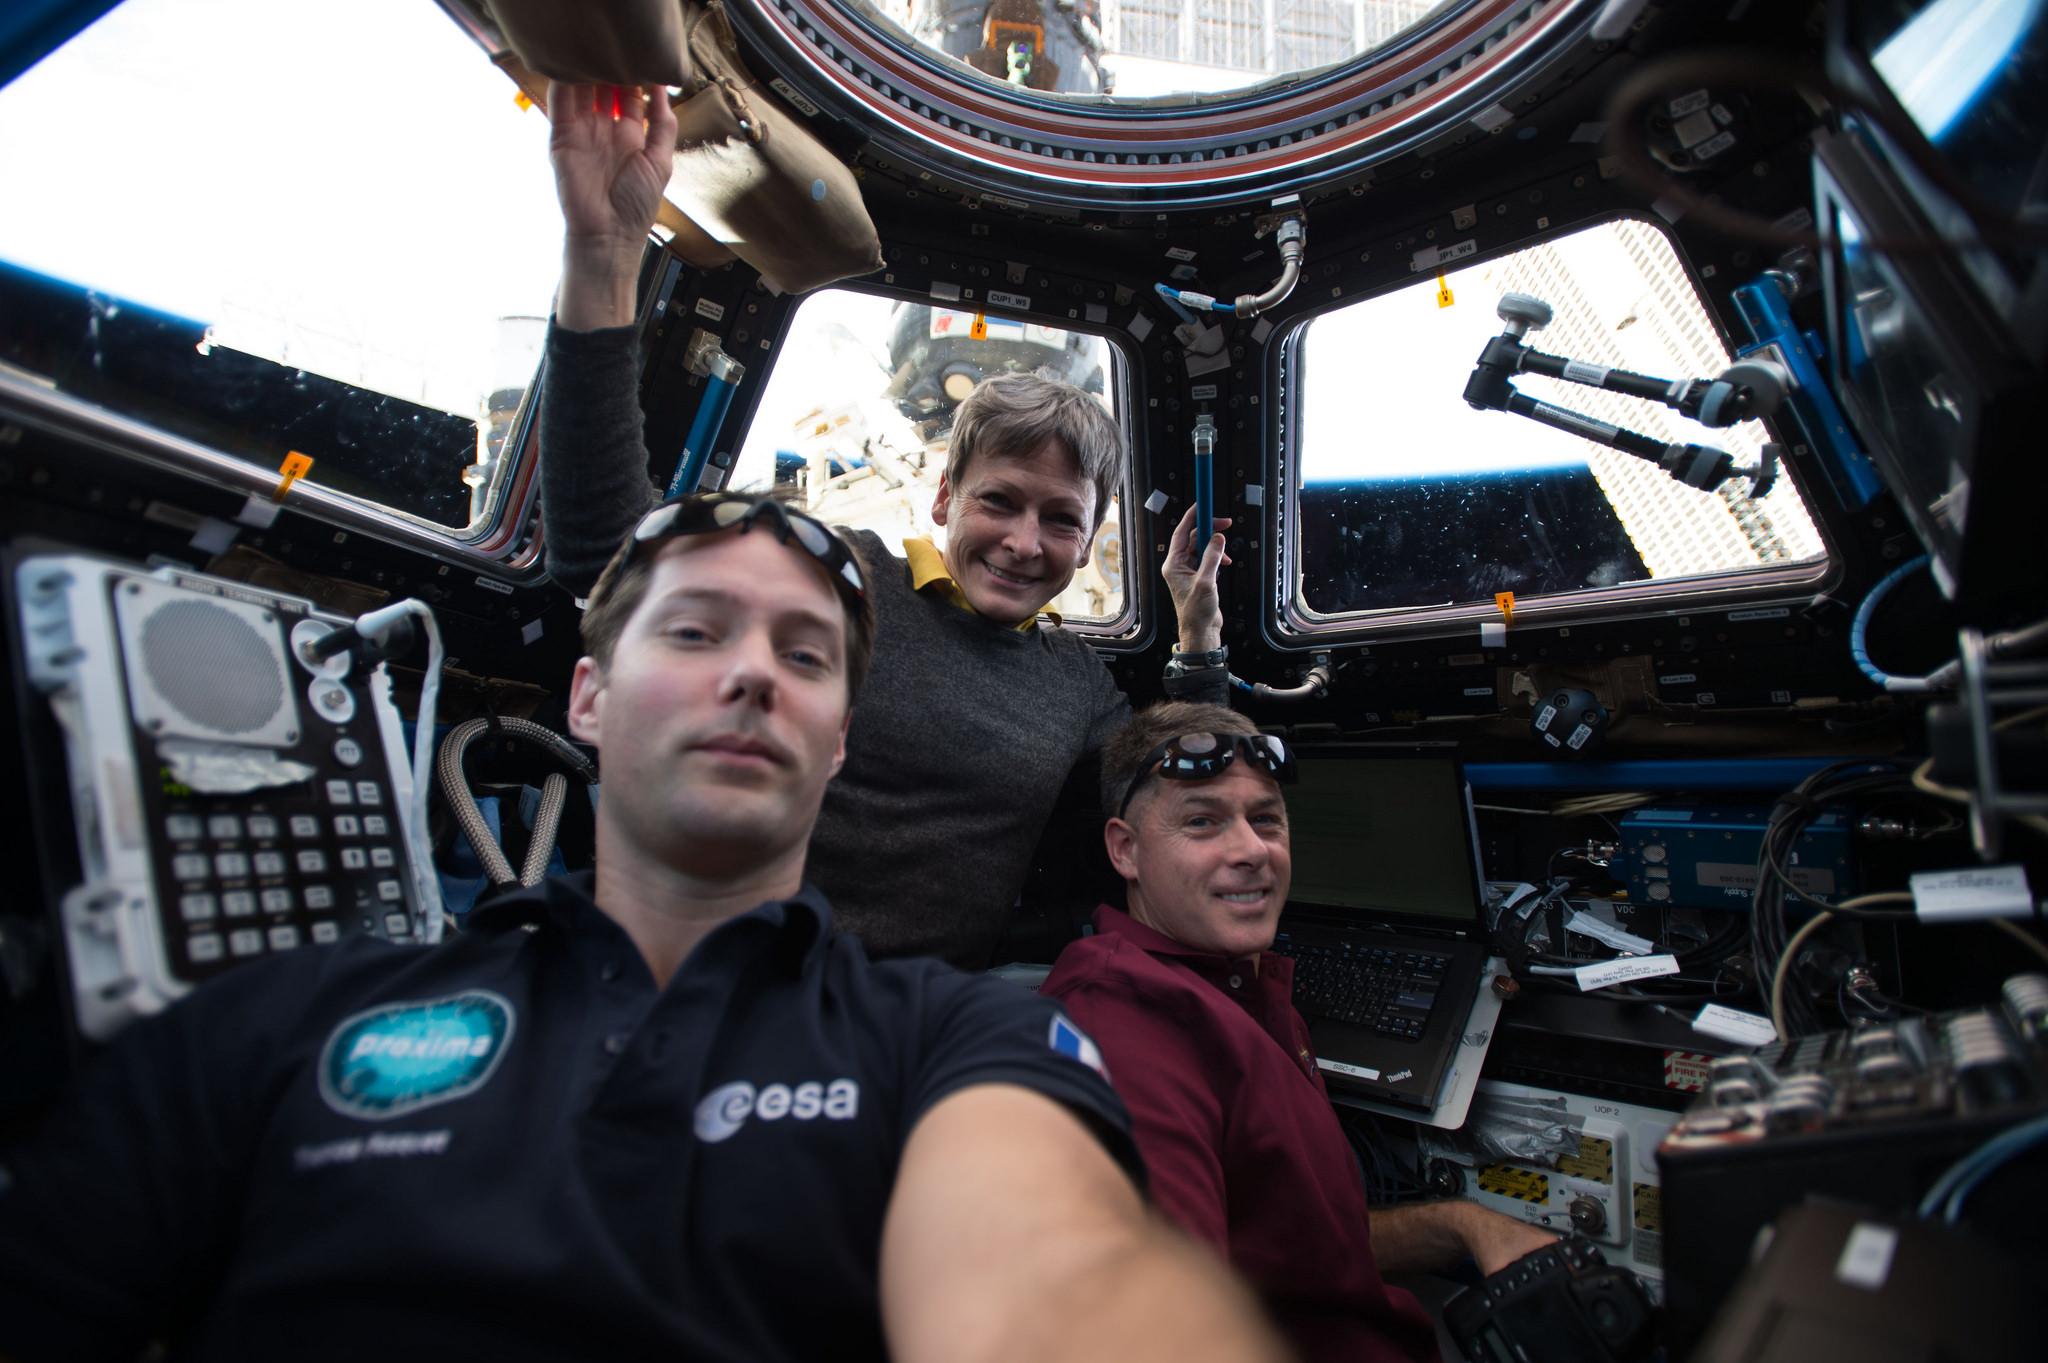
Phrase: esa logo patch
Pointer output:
(400, 1057)
(1071, 1041)
(725, 1109)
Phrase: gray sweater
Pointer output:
(960, 742)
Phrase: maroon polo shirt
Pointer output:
(1237, 1131)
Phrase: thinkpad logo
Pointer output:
(1397, 1078)
(724, 1110)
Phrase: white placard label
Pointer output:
(1867, 1256)
(1179, 253)
(1578, 371)
(1601, 974)
(708, 309)
(945, 292)
(1732, 1024)
(1355, 1071)
(796, 101)
(1981, 892)
(1019, 301)
(1140, 327)
(1203, 392)
(1692, 103)
(1156, 503)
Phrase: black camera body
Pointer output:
(1563, 1303)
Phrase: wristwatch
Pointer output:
(1180, 664)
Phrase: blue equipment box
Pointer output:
(1704, 857)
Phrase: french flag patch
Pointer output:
(1071, 1041)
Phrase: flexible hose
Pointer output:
(547, 822)
(470, 819)
(1860, 627)
(1314, 686)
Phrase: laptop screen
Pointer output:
(1382, 834)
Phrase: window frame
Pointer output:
(502, 545)
(1289, 623)
(1123, 630)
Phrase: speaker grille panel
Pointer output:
(212, 667)
(206, 667)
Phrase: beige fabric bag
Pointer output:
(596, 42)
(750, 180)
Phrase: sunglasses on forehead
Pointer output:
(1197, 757)
(709, 512)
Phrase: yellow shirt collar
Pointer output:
(928, 569)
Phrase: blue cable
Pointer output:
(1172, 297)
(1954, 1187)
(1859, 628)
(1240, 683)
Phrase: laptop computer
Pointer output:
(1386, 918)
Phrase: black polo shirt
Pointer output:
(512, 1145)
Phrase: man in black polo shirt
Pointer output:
(661, 1110)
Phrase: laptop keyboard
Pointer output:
(1390, 991)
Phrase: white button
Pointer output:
(262, 826)
(182, 827)
(283, 937)
(348, 752)
(277, 901)
(224, 827)
(1236, 980)
(190, 866)
(326, 932)
(204, 947)
(305, 826)
(389, 890)
(239, 903)
(347, 826)
(312, 861)
(269, 863)
(353, 859)
(340, 793)
(367, 792)
(226, 864)
(382, 856)
(195, 906)
(319, 897)
(374, 826)
(396, 923)
(245, 941)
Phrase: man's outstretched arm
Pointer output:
(1012, 1235)
(1435, 1235)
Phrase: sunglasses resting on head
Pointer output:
(1197, 757)
(710, 512)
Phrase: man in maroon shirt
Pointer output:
(1196, 1025)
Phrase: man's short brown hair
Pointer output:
(1123, 755)
(1012, 415)
(623, 586)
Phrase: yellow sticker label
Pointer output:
(1649, 1207)
(1595, 1160)
(1506, 1180)
(979, 331)
(290, 471)
(1443, 292)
